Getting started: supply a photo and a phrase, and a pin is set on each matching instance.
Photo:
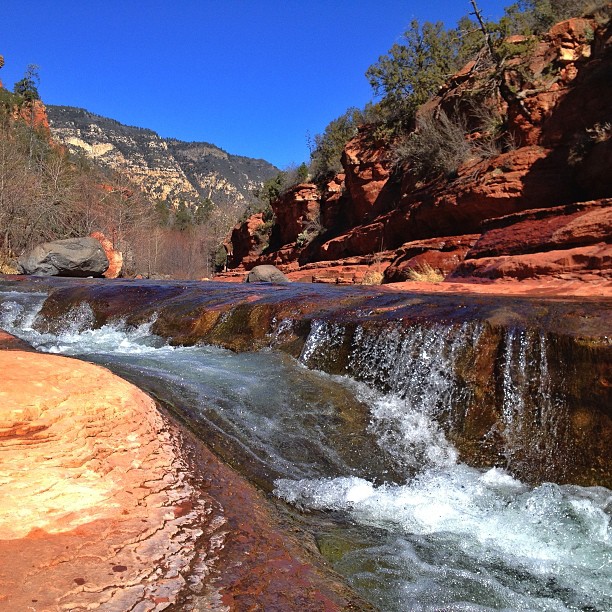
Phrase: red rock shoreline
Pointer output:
(106, 503)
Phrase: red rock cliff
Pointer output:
(555, 104)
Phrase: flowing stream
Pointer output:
(370, 471)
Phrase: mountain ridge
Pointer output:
(166, 169)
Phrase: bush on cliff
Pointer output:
(326, 148)
(413, 70)
(537, 16)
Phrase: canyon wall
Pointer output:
(549, 182)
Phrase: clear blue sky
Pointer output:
(251, 76)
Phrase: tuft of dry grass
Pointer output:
(8, 267)
(372, 277)
(424, 273)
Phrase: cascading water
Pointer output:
(527, 380)
(410, 526)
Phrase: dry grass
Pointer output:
(8, 267)
(424, 273)
(372, 277)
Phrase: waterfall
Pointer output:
(532, 402)
(456, 379)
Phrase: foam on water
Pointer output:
(76, 335)
(500, 543)
(556, 538)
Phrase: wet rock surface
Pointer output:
(574, 332)
(96, 509)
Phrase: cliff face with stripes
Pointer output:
(538, 207)
(165, 169)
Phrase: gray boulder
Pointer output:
(71, 257)
(266, 274)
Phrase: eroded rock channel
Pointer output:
(437, 449)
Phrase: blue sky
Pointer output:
(254, 77)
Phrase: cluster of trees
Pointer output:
(426, 56)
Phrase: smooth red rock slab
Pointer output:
(587, 264)
(105, 504)
(543, 287)
(533, 231)
(95, 507)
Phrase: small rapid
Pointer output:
(363, 456)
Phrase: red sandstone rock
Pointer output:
(35, 114)
(245, 240)
(555, 228)
(367, 167)
(295, 211)
(9, 342)
(518, 180)
(551, 287)
(332, 203)
(115, 258)
(562, 84)
(555, 103)
(443, 254)
(591, 263)
(95, 508)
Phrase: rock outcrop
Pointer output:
(553, 100)
(564, 242)
(34, 113)
(295, 212)
(70, 257)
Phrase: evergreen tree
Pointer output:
(412, 71)
(28, 86)
(182, 217)
(327, 150)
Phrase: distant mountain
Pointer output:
(165, 168)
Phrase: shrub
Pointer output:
(438, 146)
(311, 231)
(424, 273)
(373, 277)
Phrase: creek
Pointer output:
(360, 455)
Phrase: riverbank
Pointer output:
(551, 287)
(106, 502)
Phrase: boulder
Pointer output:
(266, 274)
(71, 257)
